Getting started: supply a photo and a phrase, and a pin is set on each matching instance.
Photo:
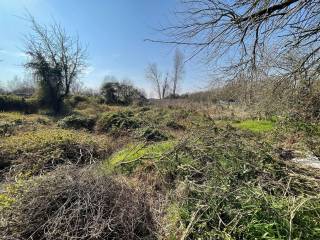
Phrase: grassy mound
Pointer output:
(78, 205)
(77, 122)
(117, 121)
(12, 122)
(43, 150)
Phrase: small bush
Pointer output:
(73, 204)
(118, 121)
(77, 122)
(76, 99)
(121, 93)
(154, 135)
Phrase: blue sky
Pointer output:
(114, 31)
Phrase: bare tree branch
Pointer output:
(238, 32)
(155, 77)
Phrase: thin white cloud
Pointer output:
(12, 53)
(88, 70)
(21, 54)
(2, 51)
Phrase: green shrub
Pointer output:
(121, 93)
(117, 121)
(77, 122)
(76, 99)
(154, 135)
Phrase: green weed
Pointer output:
(129, 158)
(257, 126)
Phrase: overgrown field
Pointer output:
(157, 172)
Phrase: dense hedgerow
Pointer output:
(73, 204)
(15, 103)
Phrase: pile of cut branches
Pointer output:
(69, 204)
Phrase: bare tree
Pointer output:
(2, 89)
(56, 59)
(77, 87)
(242, 30)
(165, 86)
(155, 77)
(178, 70)
(22, 86)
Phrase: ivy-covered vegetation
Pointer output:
(202, 178)
(237, 161)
